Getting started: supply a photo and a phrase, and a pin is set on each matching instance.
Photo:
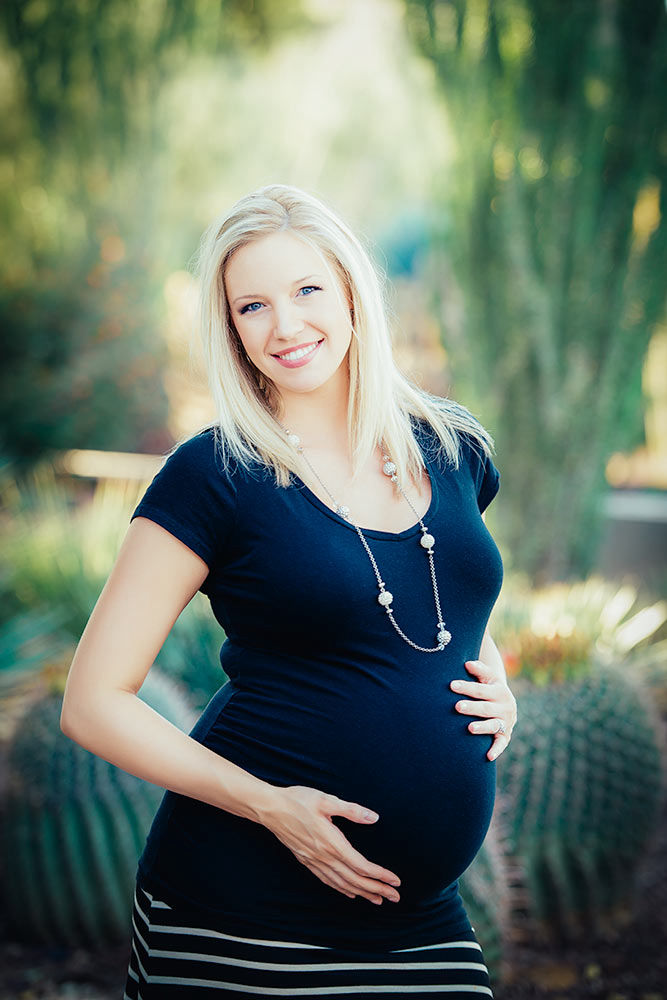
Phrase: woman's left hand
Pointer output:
(497, 704)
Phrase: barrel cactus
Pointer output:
(486, 894)
(584, 779)
(73, 827)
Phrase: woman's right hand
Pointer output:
(301, 819)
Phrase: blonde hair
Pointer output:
(381, 398)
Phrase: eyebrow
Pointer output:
(258, 295)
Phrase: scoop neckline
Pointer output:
(306, 492)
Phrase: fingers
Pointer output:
(355, 874)
(334, 806)
(500, 743)
(303, 823)
(345, 883)
(361, 865)
(491, 727)
(471, 688)
(481, 669)
(487, 709)
(370, 888)
(340, 874)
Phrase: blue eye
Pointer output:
(249, 307)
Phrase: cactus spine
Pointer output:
(74, 826)
(584, 779)
(486, 894)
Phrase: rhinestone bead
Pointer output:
(389, 468)
(385, 598)
(294, 439)
(427, 541)
(444, 637)
(343, 511)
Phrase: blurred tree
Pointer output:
(555, 220)
(78, 367)
(78, 199)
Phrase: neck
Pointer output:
(318, 417)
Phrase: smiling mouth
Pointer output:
(299, 352)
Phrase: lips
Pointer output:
(310, 352)
(298, 347)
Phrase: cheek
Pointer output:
(339, 322)
(251, 335)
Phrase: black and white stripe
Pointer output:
(170, 961)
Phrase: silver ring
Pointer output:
(501, 728)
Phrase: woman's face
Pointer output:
(290, 312)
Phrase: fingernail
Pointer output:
(370, 815)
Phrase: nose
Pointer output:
(287, 320)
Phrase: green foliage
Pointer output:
(559, 632)
(71, 342)
(58, 555)
(191, 652)
(100, 66)
(73, 827)
(584, 778)
(79, 198)
(554, 216)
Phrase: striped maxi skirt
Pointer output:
(170, 961)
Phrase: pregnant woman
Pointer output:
(319, 814)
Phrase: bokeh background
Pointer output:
(505, 163)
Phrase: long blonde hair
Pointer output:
(381, 398)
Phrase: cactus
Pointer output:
(584, 779)
(486, 894)
(73, 827)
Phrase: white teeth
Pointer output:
(295, 355)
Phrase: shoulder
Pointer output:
(193, 496)
(198, 458)
(472, 445)
(483, 469)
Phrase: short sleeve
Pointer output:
(486, 476)
(193, 498)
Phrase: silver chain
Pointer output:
(427, 541)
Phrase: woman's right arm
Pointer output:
(154, 577)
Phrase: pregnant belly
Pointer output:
(407, 755)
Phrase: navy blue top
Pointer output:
(323, 692)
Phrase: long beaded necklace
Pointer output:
(427, 542)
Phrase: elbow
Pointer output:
(66, 721)
(71, 721)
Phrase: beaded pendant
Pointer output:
(427, 542)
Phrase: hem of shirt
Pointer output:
(183, 534)
(366, 938)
